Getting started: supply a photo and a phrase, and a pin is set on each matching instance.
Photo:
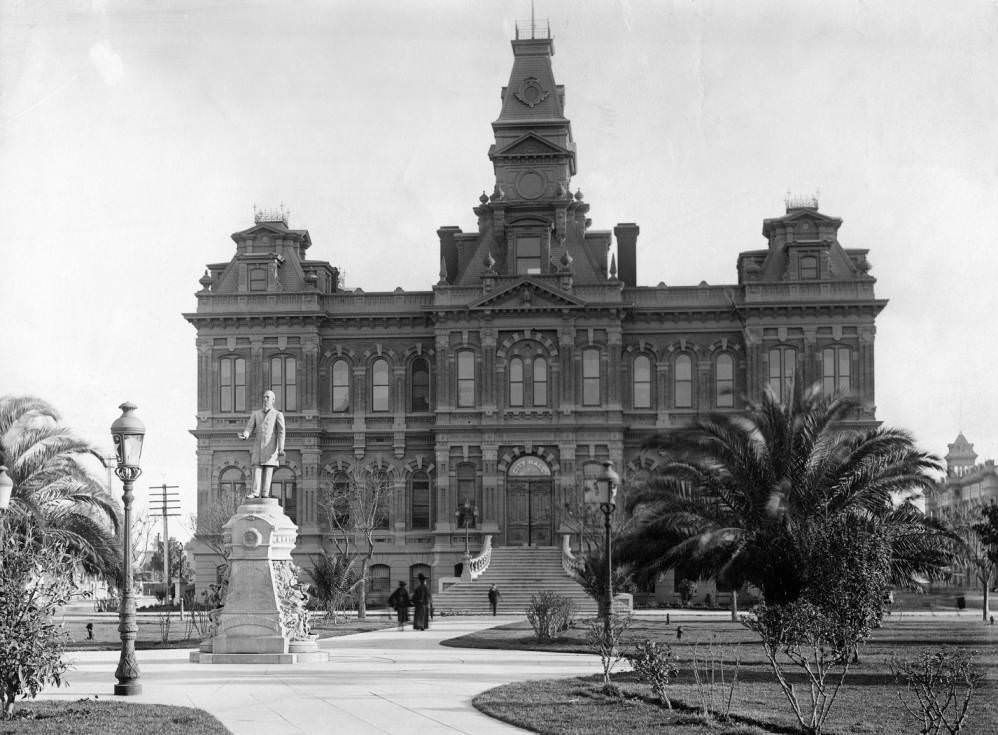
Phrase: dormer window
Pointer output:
(808, 268)
(528, 254)
(258, 279)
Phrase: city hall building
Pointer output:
(537, 354)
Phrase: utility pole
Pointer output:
(167, 504)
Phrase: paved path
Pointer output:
(379, 682)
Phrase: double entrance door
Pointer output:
(528, 512)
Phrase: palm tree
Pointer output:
(736, 496)
(54, 490)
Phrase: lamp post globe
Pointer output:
(127, 433)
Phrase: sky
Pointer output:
(135, 137)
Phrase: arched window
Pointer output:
(341, 386)
(724, 381)
(808, 268)
(516, 382)
(419, 494)
(465, 379)
(231, 484)
(383, 499)
(540, 385)
(335, 503)
(284, 381)
(782, 368)
(642, 382)
(284, 488)
(836, 369)
(467, 487)
(590, 377)
(419, 385)
(231, 384)
(379, 582)
(683, 382)
(379, 385)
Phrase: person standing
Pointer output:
(494, 597)
(422, 603)
(268, 444)
(399, 600)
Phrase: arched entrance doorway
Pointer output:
(528, 503)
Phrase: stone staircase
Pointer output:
(518, 572)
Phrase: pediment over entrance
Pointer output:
(527, 294)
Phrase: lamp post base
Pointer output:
(127, 690)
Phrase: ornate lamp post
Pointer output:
(466, 514)
(127, 432)
(604, 492)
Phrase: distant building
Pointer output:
(534, 357)
(967, 485)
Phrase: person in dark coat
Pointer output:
(423, 602)
(494, 597)
(399, 600)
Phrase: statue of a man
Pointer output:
(268, 444)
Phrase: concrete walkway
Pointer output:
(379, 682)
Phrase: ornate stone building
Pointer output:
(534, 357)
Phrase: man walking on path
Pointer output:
(399, 600)
(494, 596)
(422, 603)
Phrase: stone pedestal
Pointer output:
(250, 629)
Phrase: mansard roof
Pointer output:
(277, 228)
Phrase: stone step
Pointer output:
(519, 573)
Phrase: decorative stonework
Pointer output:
(531, 93)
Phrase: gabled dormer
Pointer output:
(803, 246)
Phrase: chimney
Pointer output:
(627, 245)
(448, 250)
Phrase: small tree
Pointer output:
(657, 665)
(840, 605)
(355, 505)
(942, 683)
(971, 548)
(549, 614)
(210, 519)
(35, 579)
(607, 641)
(987, 534)
(334, 580)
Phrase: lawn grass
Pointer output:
(150, 637)
(866, 704)
(100, 717)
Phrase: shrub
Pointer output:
(656, 665)
(942, 683)
(549, 614)
(606, 640)
(35, 579)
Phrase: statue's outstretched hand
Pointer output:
(242, 435)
